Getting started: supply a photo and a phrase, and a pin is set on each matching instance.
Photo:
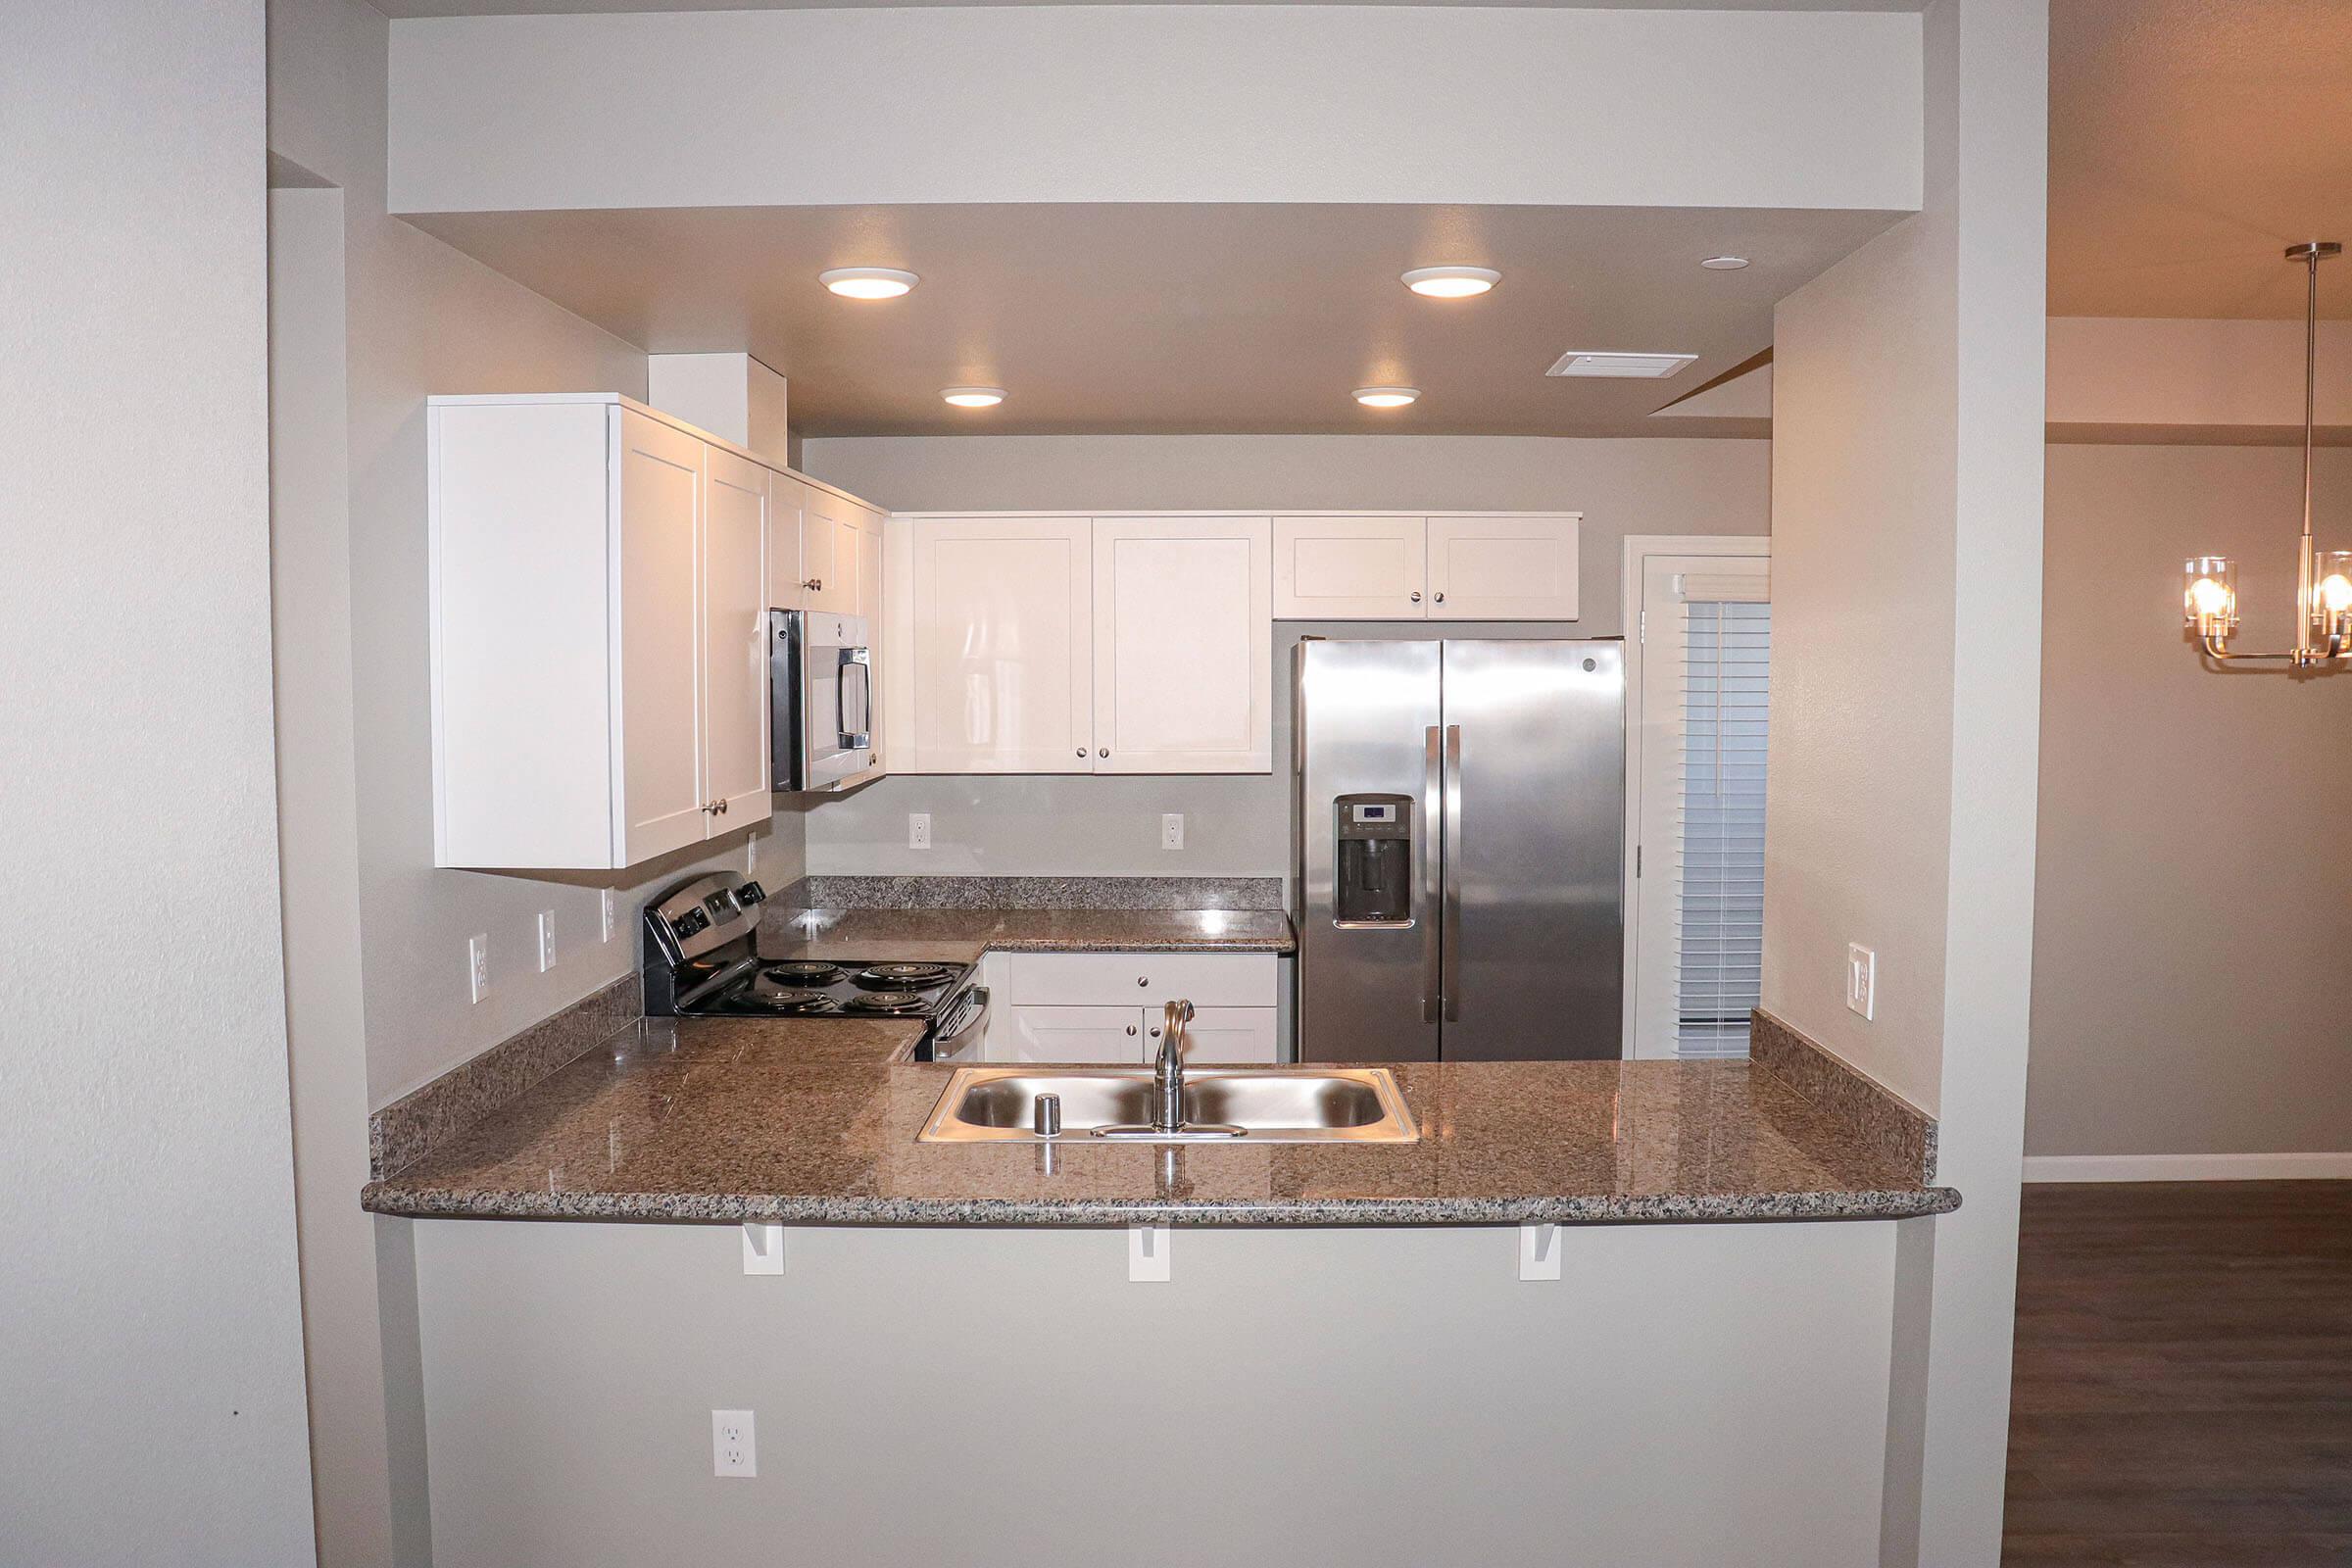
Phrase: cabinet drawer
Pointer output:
(1142, 979)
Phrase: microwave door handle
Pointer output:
(852, 696)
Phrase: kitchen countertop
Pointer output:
(960, 936)
(814, 1122)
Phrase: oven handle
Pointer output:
(971, 1014)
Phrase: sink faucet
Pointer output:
(1167, 1074)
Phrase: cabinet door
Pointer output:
(1520, 567)
(1349, 568)
(869, 571)
(1003, 645)
(1184, 645)
(1222, 1034)
(1076, 1034)
(659, 475)
(829, 554)
(735, 710)
(787, 507)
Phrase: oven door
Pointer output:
(822, 680)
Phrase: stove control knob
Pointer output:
(750, 893)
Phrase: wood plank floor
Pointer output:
(2183, 1388)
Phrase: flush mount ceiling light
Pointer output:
(974, 397)
(1724, 264)
(1451, 282)
(1639, 367)
(867, 282)
(2323, 577)
(1386, 397)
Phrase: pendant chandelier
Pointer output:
(2323, 578)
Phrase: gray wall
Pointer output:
(1238, 824)
(151, 1383)
(2191, 984)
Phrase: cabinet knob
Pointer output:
(814, 584)
(1143, 979)
(1155, 1034)
(1104, 751)
(1441, 598)
(1416, 596)
(1131, 1028)
(1081, 751)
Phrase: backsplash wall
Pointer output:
(1237, 824)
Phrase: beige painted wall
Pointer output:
(2190, 984)
(151, 1379)
(1238, 824)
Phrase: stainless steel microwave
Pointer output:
(821, 683)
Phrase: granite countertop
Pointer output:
(960, 936)
(814, 1122)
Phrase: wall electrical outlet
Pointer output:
(608, 911)
(919, 830)
(1861, 980)
(547, 940)
(1172, 830)
(477, 966)
(734, 1451)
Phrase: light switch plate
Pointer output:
(1147, 1254)
(606, 908)
(1861, 980)
(1172, 830)
(919, 830)
(477, 966)
(547, 940)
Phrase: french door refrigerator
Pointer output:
(1460, 822)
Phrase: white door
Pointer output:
(1222, 1034)
(735, 708)
(787, 506)
(1075, 1034)
(1002, 646)
(1184, 645)
(829, 554)
(1696, 751)
(660, 798)
(1351, 569)
(1518, 567)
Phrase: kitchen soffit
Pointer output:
(1185, 318)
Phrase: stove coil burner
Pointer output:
(887, 1002)
(802, 972)
(902, 976)
(766, 993)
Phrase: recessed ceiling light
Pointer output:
(1724, 264)
(1386, 397)
(867, 282)
(974, 397)
(1646, 367)
(1451, 282)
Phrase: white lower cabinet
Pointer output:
(1109, 1006)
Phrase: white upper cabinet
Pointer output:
(829, 553)
(735, 708)
(1001, 646)
(599, 580)
(1509, 566)
(1184, 663)
(1341, 567)
(787, 507)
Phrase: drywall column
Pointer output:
(152, 1364)
(1906, 627)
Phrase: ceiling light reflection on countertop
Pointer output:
(1724, 264)
(1386, 397)
(868, 282)
(1451, 282)
(974, 397)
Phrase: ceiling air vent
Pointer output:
(1638, 367)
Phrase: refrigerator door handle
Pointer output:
(1450, 973)
(1433, 812)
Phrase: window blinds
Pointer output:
(1720, 850)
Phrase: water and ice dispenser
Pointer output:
(1375, 854)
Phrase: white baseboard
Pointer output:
(2188, 1167)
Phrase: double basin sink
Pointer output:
(1226, 1104)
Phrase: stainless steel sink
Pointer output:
(1231, 1104)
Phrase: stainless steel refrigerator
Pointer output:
(1459, 824)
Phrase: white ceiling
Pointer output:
(1169, 319)
(2190, 142)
